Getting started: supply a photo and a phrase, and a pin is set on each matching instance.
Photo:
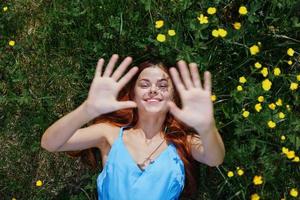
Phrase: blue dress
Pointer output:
(122, 179)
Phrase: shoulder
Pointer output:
(111, 133)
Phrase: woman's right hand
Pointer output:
(104, 90)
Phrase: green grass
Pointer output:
(48, 72)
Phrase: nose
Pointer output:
(153, 89)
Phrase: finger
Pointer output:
(110, 65)
(124, 80)
(174, 109)
(185, 74)
(207, 81)
(177, 82)
(99, 67)
(195, 75)
(122, 67)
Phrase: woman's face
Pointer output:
(153, 83)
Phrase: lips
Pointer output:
(153, 100)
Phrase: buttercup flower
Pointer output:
(264, 71)
(296, 159)
(202, 19)
(294, 192)
(171, 32)
(255, 196)
(254, 49)
(290, 62)
(239, 88)
(222, 32)
(260, 98)
(242, 79)
(215, 33)
(161, 37)
(243, 10)
(240, 172)
(282, 138)
(230, 174)
(246, 114)
(284, 150)
(266, 85)
(39, 183)
(290, 52)
(257, 180)
(281, 115)
(237, 25)
(159, 23)
(11, 43)
(258, 107)
(276, 71)
(294, 86)
(298, 77)
(279, 102)
(290, 154)
(271, 124)
(211, 10)
(5, 8)
(272, 106)
(213, 97)
(288, 107)
(257, 65)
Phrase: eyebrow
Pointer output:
(163, 79)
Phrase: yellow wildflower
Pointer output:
(264, 72)
(290, 62)
(255, 196)
(202, 19)
(281, 115)
(171, 32)
(161, 37)
(213, 97)
(257, 180)
(284, 150)
(290, 52)
(11, 43)
(239, 88)
(257, 65)
(266, 85)
(211, 10)
(222, 32)
(254, 49)
(294, 192)
(39, 183)
(276, 71)
(242, 79)
(230, 174)
(271, 124)
(282, 138)
(298, 77)
(258, 107)
(159, 23)
(13, 198)
(5, 8)
(290, 154)
(237, 25)
(240, 172)
(288, 107)
(260, 98)
(294, 86)
(246, 114)
(243, 10)
(272, 106)
(296, 159)
(215, 33)
(279, 102)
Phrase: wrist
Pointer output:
(88, 110)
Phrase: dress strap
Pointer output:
(122, 129)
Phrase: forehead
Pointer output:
(153, 73)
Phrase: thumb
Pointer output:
(127, 104)
(173, 108)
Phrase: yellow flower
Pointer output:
(161, 37)
(246, 113)
(39, 183)
(296, 159)
(260, 98)
(240, 172)
(279, 102)
(294, 192)
(11, 43)
(288, 107)
(298, 77)
(243, 10)
(202, 19)
(290, 52)
(222, 32)
(171, 32)
(257, 65)
(211, 10)
(255, 196)
(276, 71)
(266, 85)
(213, 97)
(258, 107)
(215, 33)
(264, 71)
(290, 62)
(271, 124)
(13, 198)
(272, 106)
(237, 25)
(230, 174)
(254, 49)
(257, 180)
(5, 8)
(294, 86)
(242, 79)
(282, 138)
(284, 150)
(290, 154)
(281, 115)
(159, 23)
(239, 88)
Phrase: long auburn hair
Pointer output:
(129, 117)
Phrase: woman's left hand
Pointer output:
(197, 106)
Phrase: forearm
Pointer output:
(61, 131)
(214, 149)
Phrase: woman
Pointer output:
(148, 155)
